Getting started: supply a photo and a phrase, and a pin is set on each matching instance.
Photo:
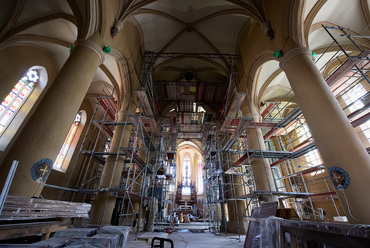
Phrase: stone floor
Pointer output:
(188, 236)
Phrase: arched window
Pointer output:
(186, 176)
(186, 172)
(20, 103)
(200, 176)
(60, 163)
(16, 98)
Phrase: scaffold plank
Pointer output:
(361, 120)
(113, 123)
(298, 151)
(291, 116)
(306, 171)
(228, 145)
(102, 153)
(135, 158)
(341, 71)
(106, 130)
(313, 195)
(109, 105)
(231, 170)
(258, 193)
(268, 154)
(240, 160)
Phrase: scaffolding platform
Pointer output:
(260, 193)
(268, 154)
(313, 169)
(135, 157)
(112, 123)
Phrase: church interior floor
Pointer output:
(188, 236)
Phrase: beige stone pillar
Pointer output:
(334, 135)
(261, 167)
(104, 201)
(235, 208)
(45, 132)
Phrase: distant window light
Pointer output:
(303, 132)
(200, 176)
(107, 147)
(351, 97)
(186, 190)
(67, 143)
(194, 118)
(366, 129)
(186, 171)
(186, 175)
(201, 109)
(313, 158)
(171, 188)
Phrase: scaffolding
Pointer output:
(148, 168)
(144, 160)
(133, 187)
(299, 174)
(228, 173)
(344, 68)
(213, 180)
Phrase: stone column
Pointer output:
(104, 201)
(236, 208)
(45, 132)
(343, 154)
(261, 167)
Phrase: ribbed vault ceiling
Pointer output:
(196, 27)
(176, 26)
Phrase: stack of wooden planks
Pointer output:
(17, 207)
(22, 217)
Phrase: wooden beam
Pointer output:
(18, 230)
(361, 120)
(267, 109)
(343, 70)
(109, 105)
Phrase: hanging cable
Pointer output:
(340, 188)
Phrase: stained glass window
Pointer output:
(67, 143)
(186, 176)
(16, 98)
(186, 172)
